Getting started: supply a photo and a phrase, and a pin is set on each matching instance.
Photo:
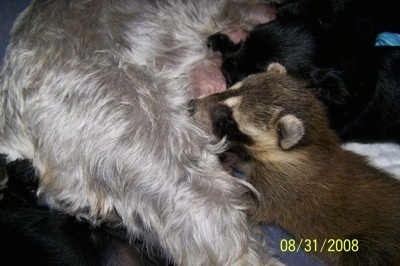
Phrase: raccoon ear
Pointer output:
(290, 131)
(276, 68)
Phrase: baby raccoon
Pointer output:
(332, 200)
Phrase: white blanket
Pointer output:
(383, 155)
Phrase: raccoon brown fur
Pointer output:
(308, 185)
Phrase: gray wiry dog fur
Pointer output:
(94, 92)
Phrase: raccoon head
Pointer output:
(265, 115)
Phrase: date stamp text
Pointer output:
(314, 245)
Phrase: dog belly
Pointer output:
(207, 77)
(96, 96)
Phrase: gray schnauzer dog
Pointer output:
(95, 93)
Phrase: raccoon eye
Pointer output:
(224, 124)
(222, 119)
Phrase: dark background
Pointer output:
(9, 10)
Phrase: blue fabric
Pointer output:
(388, 39)
(9, 10)
(275, 236)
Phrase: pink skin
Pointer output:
(207, 77)
(237, 35)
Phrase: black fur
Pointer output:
(223, 122)
(358, 20)
(32, 234)
(358, 82)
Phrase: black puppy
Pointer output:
(359, 84)
(34, 235)
(358, 20)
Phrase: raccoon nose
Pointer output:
(191, 106)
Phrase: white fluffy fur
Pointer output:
(94, 91)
